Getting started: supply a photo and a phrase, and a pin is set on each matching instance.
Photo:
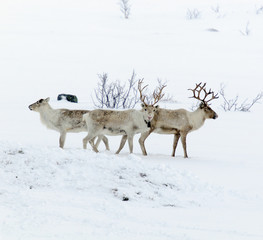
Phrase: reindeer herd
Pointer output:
(150, 119)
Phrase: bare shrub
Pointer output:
(234, 104)
(194, 105)
(246, 31)
(216, 9)
(125, 8)
(114, 94)
(259, 10)
(193, 14)
(168, 98)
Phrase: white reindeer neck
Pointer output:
(197, 118)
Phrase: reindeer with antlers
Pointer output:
(127, 123)
(180, 122)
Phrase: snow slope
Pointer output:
(51, 47)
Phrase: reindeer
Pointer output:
(180, 122)
(62, 120)
(126, 123)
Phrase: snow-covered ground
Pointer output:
(53, 46)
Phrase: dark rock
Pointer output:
(68, 97)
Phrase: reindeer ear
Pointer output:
(47, 99)
(142, 105)
(157, 106)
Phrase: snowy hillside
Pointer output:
(52, 47)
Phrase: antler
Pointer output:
(157, 94)
(142, 97)
(197, 93)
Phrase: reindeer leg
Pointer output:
(98, 141)
(183, 139)
(62, 139)
(104, 139)
(123, 141)
(94, 147)
(130, 141)
(91, 142)
(106, 142)
(85, 141)
(142, 140)
(176, 138)
(89, 138)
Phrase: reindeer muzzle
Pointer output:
(30, 108)
(215, 116)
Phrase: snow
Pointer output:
(52, 47)
(49, 193)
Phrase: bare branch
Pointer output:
(125, 8)
(246, 31)
(233, 105)
(193, 14)
(115, 94)
(259, 10)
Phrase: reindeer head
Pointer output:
(38, 104)
(204, 106)
(149, 108)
